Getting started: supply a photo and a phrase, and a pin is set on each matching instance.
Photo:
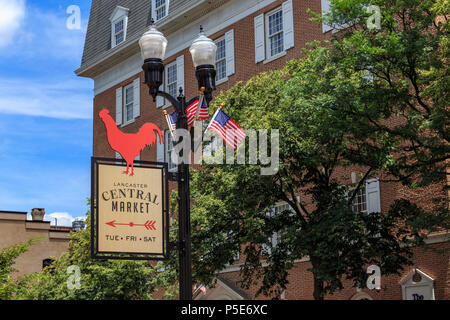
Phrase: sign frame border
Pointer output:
(97, 255)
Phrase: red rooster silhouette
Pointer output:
(129, 145)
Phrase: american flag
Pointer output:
(191, 111)
(173, 121)
(225, 127)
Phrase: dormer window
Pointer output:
(160, 9)
(119, 32)
(119, 21)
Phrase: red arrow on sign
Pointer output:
(149, 225)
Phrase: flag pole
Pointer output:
(215, 114)
(200, 102)
(169, 124)
(209, 125)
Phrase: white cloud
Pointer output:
(12, 13)
(55, 98)
(44, 36)
(60, 219)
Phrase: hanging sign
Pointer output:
(129, 219)
(129, 216)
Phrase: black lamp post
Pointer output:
(203, 50)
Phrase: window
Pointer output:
(47, 263)
(160, 9)
(225, 62)
(169, 148)
(367, 200)
(171, 77)
(221, 61)
(119, 20)
(276, 237)
(274, 32)
(173, 80)
(360, 201)
(128, 103)
(118, 32)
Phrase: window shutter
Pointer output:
(229, 52)
(373, 196)
(325, 9)
(166, 146)
(153, 11)
(288, 25)
(137, 98)
(160, 101)
(119, 106)
(180, 73)
(159, 150)
(260, 53)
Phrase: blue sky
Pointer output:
(45, 110)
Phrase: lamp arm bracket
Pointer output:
(172, 100)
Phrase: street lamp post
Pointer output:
(203, 50)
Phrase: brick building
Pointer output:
(15, 228)
(252, 36)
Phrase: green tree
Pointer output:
(316, 103)
(407, 56)
(99, 279)
(10, 287)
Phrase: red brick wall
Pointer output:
(434, 260)
(305, 31)
(300, 286)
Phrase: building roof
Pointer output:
(98, 36)
(98, 54)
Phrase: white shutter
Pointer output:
(325, 9)
(119, 106)
(229, 52)
(288, 25)
(159, 150)
(153, 10)
(137, 98)
(160, 101)
(180, 73)
(373, 196)
(260, 53)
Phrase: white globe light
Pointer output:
(203, 51)
(153, 44)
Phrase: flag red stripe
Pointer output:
(228, 138)
(217, 128)
(236, 127)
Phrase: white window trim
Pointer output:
(166, 80)
(124, 105)
(275, 238)
(179, 62)
(222, 80)
(267, 37)
(115, 18)
(154, 16)
(167, 153)
(262, 39)
(114, 33)
(275, 57)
